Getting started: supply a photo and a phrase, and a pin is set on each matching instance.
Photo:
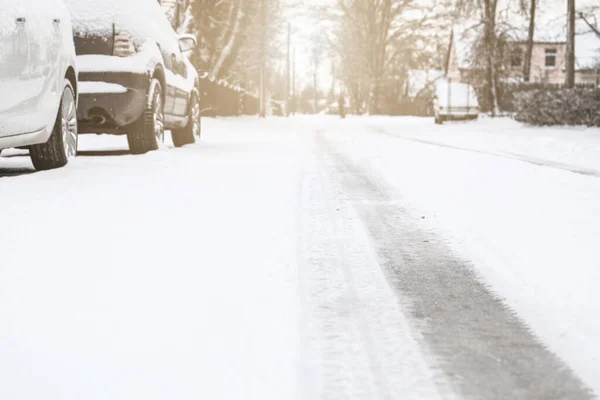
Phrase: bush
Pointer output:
(544, 107)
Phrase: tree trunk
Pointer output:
(227, 50)
(530, 40)
(570, 76)
(490, 50)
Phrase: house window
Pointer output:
(550, 58)
(516, 58)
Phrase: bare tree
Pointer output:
(590, 19)
(570, 75)
(486, 54)
(230, 33)
(530, 36)
(490, 8)
(229, 36)
(378, 41)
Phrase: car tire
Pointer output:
(193, 130)
(149, 128)
(438, 120)
(62, 144)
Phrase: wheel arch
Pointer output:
(159, 73)
(71, 76)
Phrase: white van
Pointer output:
(454, 101)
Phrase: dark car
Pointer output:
(135, 76)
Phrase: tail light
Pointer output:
(123, 46)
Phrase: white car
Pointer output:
(134, 73)
(454, 101)
(38, 81)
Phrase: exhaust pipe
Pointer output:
(99, 119)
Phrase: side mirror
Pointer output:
(187, 43)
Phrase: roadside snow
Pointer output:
(164, 276)
(576, 147)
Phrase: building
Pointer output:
(548, 59)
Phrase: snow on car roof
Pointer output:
(142, 18)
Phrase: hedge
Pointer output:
(545, 107)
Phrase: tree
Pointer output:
(490, 8)
(570, 75)
(229, 34)
(486, 54)
(530, 36)
(378, 41)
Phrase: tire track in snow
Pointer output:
(353, 340)
(483, 348)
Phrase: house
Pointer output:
(548, 59)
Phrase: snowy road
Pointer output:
(371, 258)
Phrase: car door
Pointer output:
(45, 43)
(169, 46)
(14, 67)
(182, 94)
(166, 49)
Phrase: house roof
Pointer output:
(550, 29)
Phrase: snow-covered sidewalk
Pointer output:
(571, 148)
(164, 276)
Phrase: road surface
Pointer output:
(309, 258)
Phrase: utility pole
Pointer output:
(570, 76)
(316, 62)
(263, 60)
(294, 81)
(316, 98)
(288, 71)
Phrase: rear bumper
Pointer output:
(458, 114)
(110, 101)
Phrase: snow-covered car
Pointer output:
(38, 81)
(135, 76)
(454, 101)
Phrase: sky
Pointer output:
(303, 28)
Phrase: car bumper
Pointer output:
(458, 115)
(110, 101)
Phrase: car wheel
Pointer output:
(149, 129)
(62, 144)
(438, 120)
(193, 130)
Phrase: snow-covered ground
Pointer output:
(246, 266)
(522, 204)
